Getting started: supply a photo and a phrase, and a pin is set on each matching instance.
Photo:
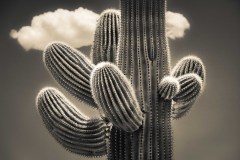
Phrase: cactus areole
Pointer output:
(129, 82)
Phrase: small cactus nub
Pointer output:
(169, 87)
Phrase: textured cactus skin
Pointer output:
(71, 69)
(75, 132)
(115, 96)
(137, 95)
(106, 37)
(191, 74)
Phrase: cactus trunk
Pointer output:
(143, 57)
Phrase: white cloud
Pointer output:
(176, 24)
(74, 27)
(77, 28)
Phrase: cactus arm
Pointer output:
(106, 37)
(191, 87)
(71, 69)
(76, 132)
(115, 97)
(191, 74)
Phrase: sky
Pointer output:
(210, 131)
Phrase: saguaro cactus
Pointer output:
(137, 97)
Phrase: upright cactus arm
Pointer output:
(115, 97)
(71, 69)
(191, 74)
(76, 132)
(106, 37)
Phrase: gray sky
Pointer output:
(209, 132)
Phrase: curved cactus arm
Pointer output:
(191, 74)
(190, 88)
(115, 97)
(76, 132)
(106, 37)
(71, 69)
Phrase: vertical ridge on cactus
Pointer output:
(71, 69)
(106, 37)
(137, 97)
(69, 127)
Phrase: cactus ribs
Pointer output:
(129, 81)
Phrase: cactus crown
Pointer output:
(129, 81)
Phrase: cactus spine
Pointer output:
(137, 95)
